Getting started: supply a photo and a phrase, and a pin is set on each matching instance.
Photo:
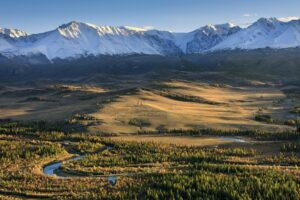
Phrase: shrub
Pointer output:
(290, 122)
(139, 122)
(81, 117)
(264, 118)
(296, 110)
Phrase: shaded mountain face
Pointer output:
(266, 65)
(77, 39)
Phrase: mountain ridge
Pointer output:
(77, 39)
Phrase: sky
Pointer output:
(35, 16)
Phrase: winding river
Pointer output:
(52, 169)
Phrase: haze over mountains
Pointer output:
(77, 39)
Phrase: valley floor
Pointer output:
(129, 107)
(145, 138)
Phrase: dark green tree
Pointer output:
(298, 125)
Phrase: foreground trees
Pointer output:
(143, 170)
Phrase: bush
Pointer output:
(264, 118)
(81, 117)
(296, 110)
(291, 147)
(290, 122)
(139, 122)
(187, 98)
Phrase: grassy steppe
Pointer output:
(131, 107)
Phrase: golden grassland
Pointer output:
(54, 102)
(200, 141)
(162, 105)
(235, 108)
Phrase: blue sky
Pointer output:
(36, 16)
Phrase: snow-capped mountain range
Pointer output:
(77, 39)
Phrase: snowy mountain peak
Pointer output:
(220, 26)
(73, 29)
(276, 21)
(13, 33)
(267, 22)
(135, 28)
(77, 29)
(288, 19)
(228, 25)
(71, 24)
(266, 32)
(209, 36)
(76, 39)
(218, 29)
(270, 20)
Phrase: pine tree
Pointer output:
(298, 126)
